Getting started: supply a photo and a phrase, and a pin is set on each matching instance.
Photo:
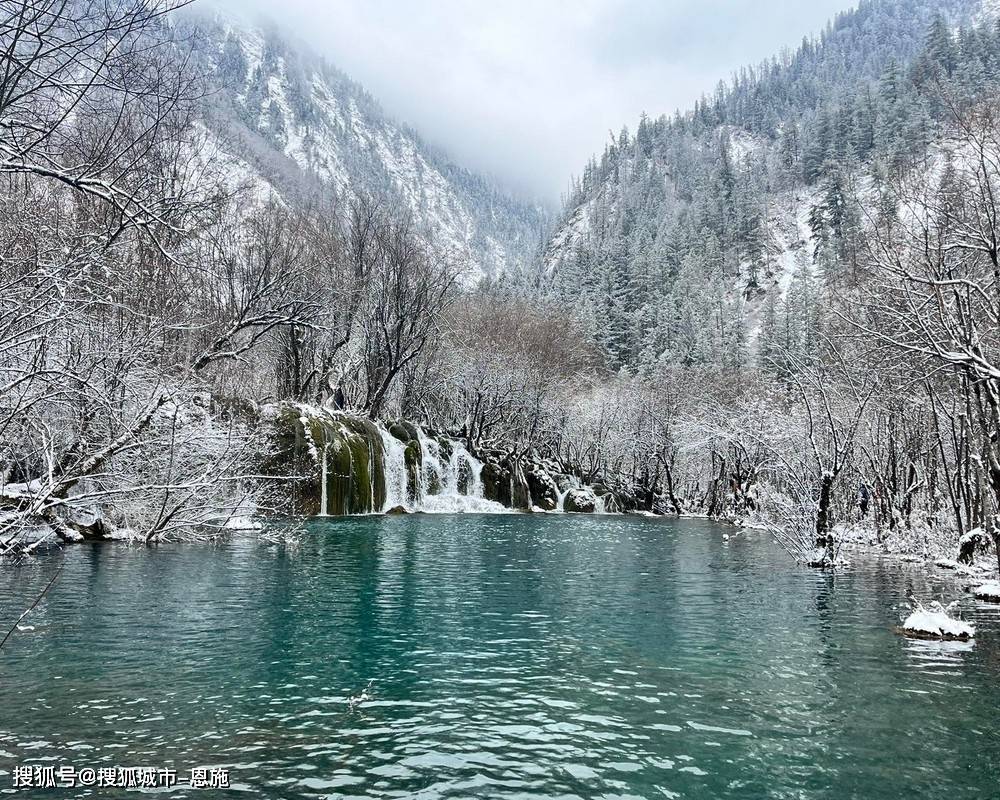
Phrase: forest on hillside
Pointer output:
(763, 310)
(813, 245)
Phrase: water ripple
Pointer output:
(509, 657)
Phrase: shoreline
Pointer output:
(853, 541)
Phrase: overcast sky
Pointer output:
(528, 90)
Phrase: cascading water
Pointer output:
(570, 483)
(348, 464)
(458, 480)
(323, 501)
(431, 468)
(447, 480)
(451, 483)
(394, 469)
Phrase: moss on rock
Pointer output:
(347, 450)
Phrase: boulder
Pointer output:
(404, 431)
(543, 490)
(496, 478)
(395, 510)
(581, 501)
(90, 524)
(971, 543)
(935, 622)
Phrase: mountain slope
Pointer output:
(298, 123)
(680, 242)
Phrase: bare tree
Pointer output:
(86, 90)
(405, 286)
(937, 296)
(130, 280)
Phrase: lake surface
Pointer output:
(511, 656)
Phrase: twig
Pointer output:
(31, 607)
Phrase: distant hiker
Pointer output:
(863, 498)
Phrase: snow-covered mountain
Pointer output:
(679, 240)
(286, 117)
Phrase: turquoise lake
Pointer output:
(510, 656)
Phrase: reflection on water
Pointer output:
(509, 656)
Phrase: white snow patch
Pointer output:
(935, 621)
(243, 523)
(989, 10)
(988, 591)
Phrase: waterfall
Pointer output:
(561, 498)
(448, 481)
(431, 469)
(355, 465)
(463, 459)
(460, 481)
(323, 505)
(394, 469)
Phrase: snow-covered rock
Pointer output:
(989, 591)
(581, 500)
(934, 622)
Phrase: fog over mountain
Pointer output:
(528, 91)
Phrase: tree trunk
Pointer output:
(668, 480)
(996, 545)
(824, 538)
(714, 506)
